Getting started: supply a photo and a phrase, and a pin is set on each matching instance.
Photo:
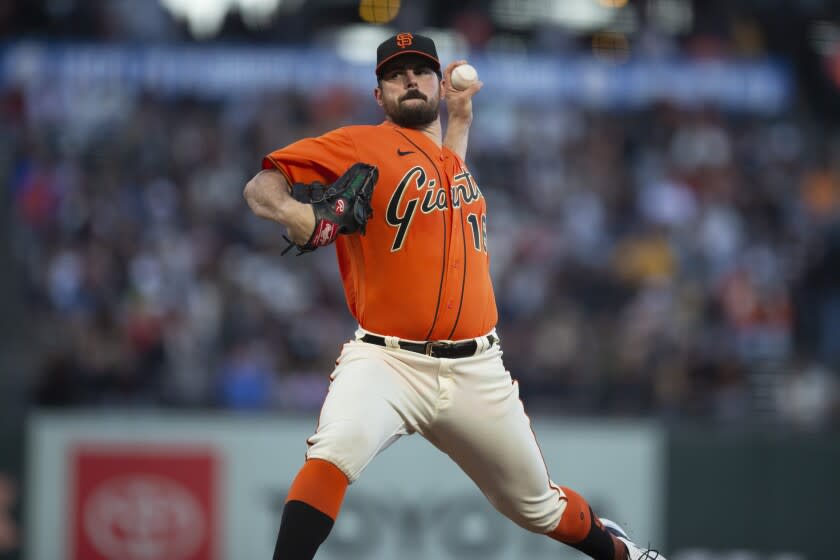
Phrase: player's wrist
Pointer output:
(298, 217)
(301, 228)
(459, 122)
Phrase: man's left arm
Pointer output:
(459, 108)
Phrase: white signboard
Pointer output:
(180, 487)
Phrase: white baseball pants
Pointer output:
(469, 408)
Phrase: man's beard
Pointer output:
(415, 115)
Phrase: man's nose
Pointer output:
(410, 78)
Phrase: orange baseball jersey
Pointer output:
(421, 272)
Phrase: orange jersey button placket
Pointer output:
(454, 280)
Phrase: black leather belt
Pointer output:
(435, 349)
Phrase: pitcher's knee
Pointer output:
(348, 449)
(537, 517)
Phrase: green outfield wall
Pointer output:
(221, 480)
(752, 496)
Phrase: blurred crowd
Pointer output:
(671, 263)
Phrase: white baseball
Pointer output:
(463, 76)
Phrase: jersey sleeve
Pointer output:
(322, 159)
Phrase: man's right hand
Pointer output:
(460, 110)
(459, 102)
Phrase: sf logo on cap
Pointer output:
(404, 40)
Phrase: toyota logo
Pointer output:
(144, 517)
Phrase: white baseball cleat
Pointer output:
(634, 551)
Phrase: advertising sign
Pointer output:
(136, 504)
(114, 487)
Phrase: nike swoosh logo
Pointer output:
(402, 153)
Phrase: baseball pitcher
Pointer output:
(409, 225)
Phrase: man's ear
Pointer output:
(377, 94)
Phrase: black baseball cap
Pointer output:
(406, 43)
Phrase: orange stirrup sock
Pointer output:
(580, 528)
(576, 522)
(310, 511)
(321, 485)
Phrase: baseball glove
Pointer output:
(342, 207)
